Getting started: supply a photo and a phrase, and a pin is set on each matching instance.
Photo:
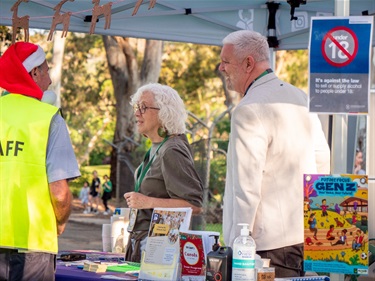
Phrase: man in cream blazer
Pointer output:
(274, 140)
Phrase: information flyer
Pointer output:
(161, 259)
(335, 222)
(339, 64)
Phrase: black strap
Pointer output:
(269, 70)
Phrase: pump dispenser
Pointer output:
(219, 263)
(216, 245)
(243, 264)
(245, 231)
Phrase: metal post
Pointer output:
(340, 128)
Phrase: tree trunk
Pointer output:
(126, 78)
(57, 60)
(85, 157)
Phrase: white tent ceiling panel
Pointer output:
(196, 21)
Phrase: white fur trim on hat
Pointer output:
(35, 59)
(49, 97)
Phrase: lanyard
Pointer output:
(269, 70)
(143, 170)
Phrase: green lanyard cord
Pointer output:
(143, 170)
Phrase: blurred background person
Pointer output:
(107, 189)
(84, 197)
(358, 162)
(94, 192)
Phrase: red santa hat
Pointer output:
(15, 65)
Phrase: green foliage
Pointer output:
(218, 227)
(101, 169)
(97, 157)
(87, 96)
(218, 173)
(76, 185)
(190, 69)
(86, 175)
(292, 66)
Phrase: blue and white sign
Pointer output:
(339, 64)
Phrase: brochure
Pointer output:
(161, 259)
(193, 257)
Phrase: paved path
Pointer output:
(79, 236)
(83, 231)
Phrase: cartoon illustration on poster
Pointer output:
(335, 221)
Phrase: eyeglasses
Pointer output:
(142, 108)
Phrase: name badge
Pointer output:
(132, 219)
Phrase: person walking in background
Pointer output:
(107, 189)
(94, 192)
(36, 163)
(84, 197)
(274, 140)
(167, 177)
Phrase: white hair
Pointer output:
(248, 42)
(172, 114)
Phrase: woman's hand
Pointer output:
(138, 201)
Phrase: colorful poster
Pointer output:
(335, 221)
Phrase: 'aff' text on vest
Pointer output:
(11, 147)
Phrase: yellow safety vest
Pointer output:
(27, 219)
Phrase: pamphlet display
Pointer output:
(161, 259)
(335, 222)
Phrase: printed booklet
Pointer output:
(335, 222)
(161, 259)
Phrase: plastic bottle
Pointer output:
(219, 263)
(243, 264)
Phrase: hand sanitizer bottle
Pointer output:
(243, 264)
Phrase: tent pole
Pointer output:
(340, 128)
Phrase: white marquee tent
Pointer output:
(196, 21)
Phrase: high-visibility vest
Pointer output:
(27, 218)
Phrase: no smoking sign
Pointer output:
(339, 46)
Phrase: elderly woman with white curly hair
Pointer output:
(166, 178)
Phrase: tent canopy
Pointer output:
(195, 21)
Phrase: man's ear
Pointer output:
(250, 63)
(34, 72)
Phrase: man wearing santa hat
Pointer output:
(36, 162)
